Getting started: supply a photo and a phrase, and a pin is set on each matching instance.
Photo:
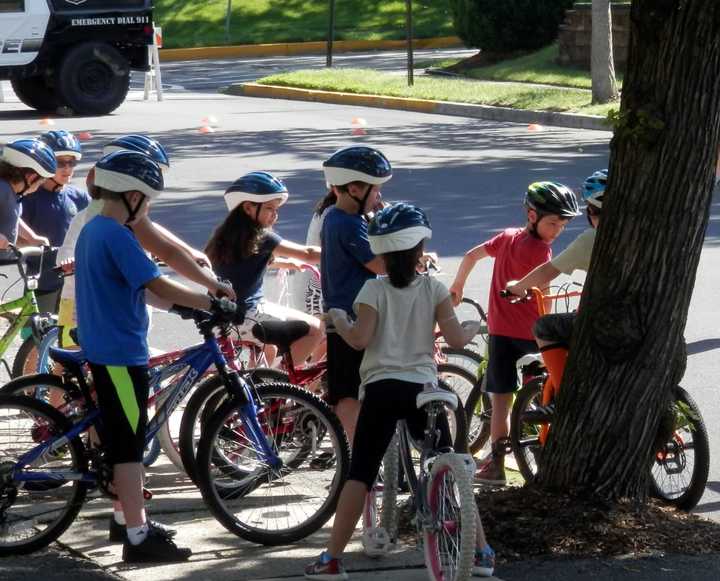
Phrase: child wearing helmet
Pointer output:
(51, 208)
(395, 318)
(244, 246)
(517, 251)
(112, 272)
(354, 174)
(24, 165)
(160, 242)
(553, 332)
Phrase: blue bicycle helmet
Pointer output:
(257, 187)
(63, 143)
(593, 188)
(129, 171)
(31, 154)
(398, 227)
(551, 198)
(143, 144)
(357, 163)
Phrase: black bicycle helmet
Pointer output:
(551, 198)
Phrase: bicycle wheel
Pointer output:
(458, 379)
(391, 473)
(449, 536)
(680, 470)
(34, 514)
(273, 506)
(33, 358)
(469, 360)
(526, 420)
(54, 390)
(479, 413)
(205, 399)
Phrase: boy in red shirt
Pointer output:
(517, 251)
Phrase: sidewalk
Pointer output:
(83, 552)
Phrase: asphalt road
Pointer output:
(468, 174)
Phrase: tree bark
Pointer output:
(627, 351)
(602, 66)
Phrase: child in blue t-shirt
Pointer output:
(355, 175)
(243, 247)
(112, 272)
(51, 208)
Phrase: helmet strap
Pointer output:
(532, 226)
(26, 186)
(132, 212)
(362, 201)
(257, 212)
(57, 187)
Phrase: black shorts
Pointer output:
(343, 369)
(385, 402)
(556, 328)
(503, 353)
(122, 398)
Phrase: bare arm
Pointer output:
(27, 235)
(178, 294)
(306, 254)
(155, 242)
(198, 256)
(359, 333)
(376, 265)
(455, 334)
(538, 277)
(471, 257)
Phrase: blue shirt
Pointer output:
(49, 214)
(9, 211)
(111, 271)
(246, 276)
(345, 252)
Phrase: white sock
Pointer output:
(137, 535)
(119, 517)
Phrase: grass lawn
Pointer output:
(536, 67)
(441, 89)
(188, 23)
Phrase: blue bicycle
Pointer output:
(277, 494)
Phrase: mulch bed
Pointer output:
(524, 523)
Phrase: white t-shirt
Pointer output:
(402, 346)
(577, 255)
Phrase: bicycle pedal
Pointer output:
(147, 495)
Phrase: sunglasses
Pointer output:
(68, 163)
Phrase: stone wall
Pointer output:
(574, 38)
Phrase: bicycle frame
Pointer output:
(198, 360)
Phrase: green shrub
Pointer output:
(508, 25)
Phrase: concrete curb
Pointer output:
(297, 48)
(422, 106)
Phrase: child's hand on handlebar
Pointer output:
(513, 288)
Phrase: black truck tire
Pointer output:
(35, 93)
(93, 79)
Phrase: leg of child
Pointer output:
(349, 511)
(128, 482)
(484, 564)
(347, 410)
(499, 425)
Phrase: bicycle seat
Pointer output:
(531, 364)
(437, 395)
(68, 357)
(280, 333)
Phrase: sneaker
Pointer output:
(484, 565)
(322, 461)
(333, 570)
(492, 472)
(156, 548)
(118, 532)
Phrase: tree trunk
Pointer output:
(627, 350)
(602, 67)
